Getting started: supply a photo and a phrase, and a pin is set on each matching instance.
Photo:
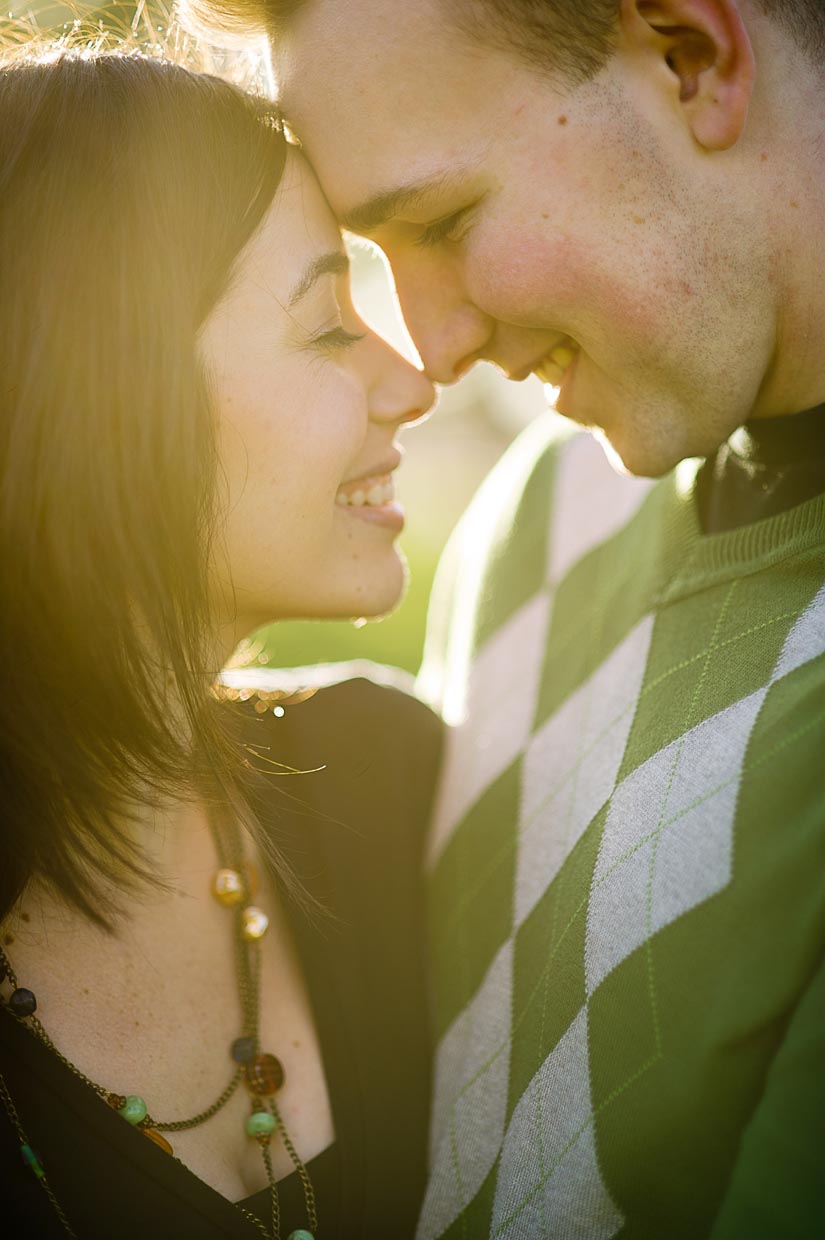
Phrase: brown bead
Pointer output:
(264, 1075)
(158, 1138)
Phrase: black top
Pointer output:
(766, 467)
(354, 833)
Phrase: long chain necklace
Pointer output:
(262, 1074)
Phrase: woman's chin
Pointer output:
(362, 595)
(381, 596)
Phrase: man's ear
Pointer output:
(703, 54)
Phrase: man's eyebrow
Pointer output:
(335, 262)
(384, 206)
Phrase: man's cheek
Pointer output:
(535, 282)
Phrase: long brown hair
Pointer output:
(128, 186)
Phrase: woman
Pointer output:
(209, 913)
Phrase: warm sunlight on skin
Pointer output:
(630, 223)
(309, 402)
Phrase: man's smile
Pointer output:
(553, 368)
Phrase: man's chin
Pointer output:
(629, 449)
(634, 458)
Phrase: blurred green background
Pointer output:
(446, 457)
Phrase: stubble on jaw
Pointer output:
(701, 265)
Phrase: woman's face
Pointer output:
(309, 402)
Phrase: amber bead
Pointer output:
(158, 1138)
(228, 888)
(264, 1075)
(254, 923)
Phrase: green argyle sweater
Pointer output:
(628, 862)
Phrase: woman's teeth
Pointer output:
(554, 367)
(367, 492)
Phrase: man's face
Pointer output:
(585, 219)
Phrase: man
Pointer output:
(627, 198)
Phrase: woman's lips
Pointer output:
(372, 491)
(391, 516)
(372, 499)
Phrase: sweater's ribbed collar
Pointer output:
(694, 561)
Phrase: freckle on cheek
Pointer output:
(562, 120)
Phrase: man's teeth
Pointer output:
(554, 367)
(372, 493)
(562, 355)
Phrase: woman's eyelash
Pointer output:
(440, 230)
(337, 338)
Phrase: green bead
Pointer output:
(32, 1161)
(300, 1234)
(134, 1109)
(261, 1124)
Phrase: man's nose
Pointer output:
(448, 330)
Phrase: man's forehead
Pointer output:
(345, 60)
(378, 128)
(339, 21)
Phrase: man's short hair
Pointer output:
(577, 37)
(573, 37)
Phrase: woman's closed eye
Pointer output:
(334, 339)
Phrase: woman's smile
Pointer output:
(371, 496)
(299, 378)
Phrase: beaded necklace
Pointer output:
(262, 1074)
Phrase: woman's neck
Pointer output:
(177, 844)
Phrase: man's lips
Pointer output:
(563, 403)
(522, 372)
(553, 368)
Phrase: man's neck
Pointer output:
(790, 153)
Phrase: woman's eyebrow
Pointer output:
(335, 262)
